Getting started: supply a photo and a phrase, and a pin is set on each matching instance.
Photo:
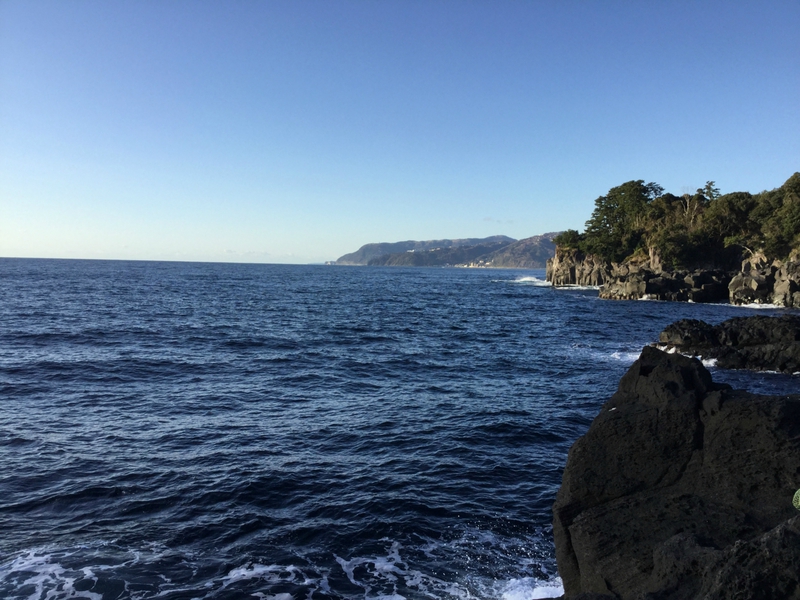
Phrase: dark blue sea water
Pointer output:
(172, 430)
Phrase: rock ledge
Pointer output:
(759, 343)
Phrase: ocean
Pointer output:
(222, 431)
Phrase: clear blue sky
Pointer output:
(297, 131)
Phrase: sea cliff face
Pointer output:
(632, 280)
(572, 267)
(682, 488)
(758, 282)
(767, 282)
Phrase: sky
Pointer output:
(296, 131)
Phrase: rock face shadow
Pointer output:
(682, 488)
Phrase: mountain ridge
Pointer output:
(367, 252)
(497, 251)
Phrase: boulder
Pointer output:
(759, 343)
(682, 488)
(634, 282)
(786, 289)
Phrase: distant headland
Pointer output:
(499, 252)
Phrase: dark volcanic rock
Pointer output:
(763, 282)
(644, 279)
(682, 489)
(633, 282)
(759, 343)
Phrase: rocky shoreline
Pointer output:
(757, 282)
(682, 488)
(759, 343)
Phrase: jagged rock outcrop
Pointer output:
(682, 489)
(754, 284)
(573, 267)
(632, 280)
(636, 281)
(759, 282)
(760, 343)
(766, 282)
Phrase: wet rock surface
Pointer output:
(759, 343)
(682, 488)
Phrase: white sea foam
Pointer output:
(626, 357)
(578, 287)
(48, 577)
(527, 280)
(707, 362)
(755, 305)
(394, 574)
(759, 306)
(529, 588)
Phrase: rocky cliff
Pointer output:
(759, 281)
(767, 282)
(759, 343)
(572, 267)
(634, 280)
(681, 489)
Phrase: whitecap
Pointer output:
(48, 577)
(759, 306)
(527, 280)
(529, 588)
(626, 357)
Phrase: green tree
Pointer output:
(569, 239)
(618, 223)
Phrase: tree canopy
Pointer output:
(706, 228)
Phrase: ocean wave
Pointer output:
(106, 570)
(625, 356)
(753, 306)
(759, 306)
(529, 588)
(526, 280)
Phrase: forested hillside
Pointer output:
(701, 229)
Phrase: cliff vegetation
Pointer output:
(707, 229)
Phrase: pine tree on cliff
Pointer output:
(704, 229)
(618, 223)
